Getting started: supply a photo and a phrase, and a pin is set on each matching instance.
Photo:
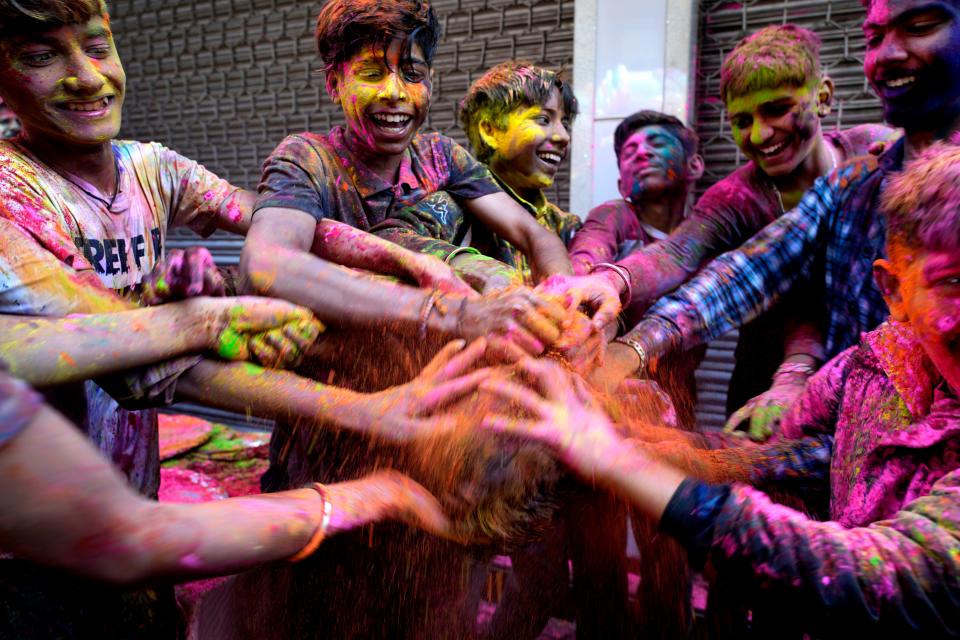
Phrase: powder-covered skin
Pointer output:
(892, 539)
(18, 405)
(836, 230)
(725, 216)
(58, 240)
(320, 176)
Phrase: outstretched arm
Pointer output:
(72, 509)
(544, 249)
(51, 351)
(397, 414)
(277, 262)
(900, 573)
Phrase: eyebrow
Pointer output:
(907, 15)
(39, 38)
(99, 32)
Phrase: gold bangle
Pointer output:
(636, 346)
(321, 529)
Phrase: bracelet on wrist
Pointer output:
(624, 275)
(636, 346)
(428, 304)
(321, 530)
(796, 369)
(460, 250)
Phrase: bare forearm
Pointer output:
(342, 244)
(547, 255)
(47, 351)
(646, 482)
(266, 393)
(335, 295)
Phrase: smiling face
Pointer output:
(66, 85)
(922, 287)
(913, 61)
(652, 162)
(385, 98)
(528, 152)
(778, 128)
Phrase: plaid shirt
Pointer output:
(830, 239)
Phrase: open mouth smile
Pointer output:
(392, 123)
(896, 83)
(551, 158)
(769, 152)
(95, 107)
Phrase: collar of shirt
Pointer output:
(906, 364)
(540, 208)
(367, 182)
(119, 203)
(892, 159)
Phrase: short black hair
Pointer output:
(344, 27)
(502, 89)
(29, 16)
(646, 118)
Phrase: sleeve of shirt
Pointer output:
(431, 226)
(199, 197)
(740, 285)
(600, 237)
(902, 573)
(469, 179)
(19, 404)
(295, 177)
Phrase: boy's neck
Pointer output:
(821, 160)
(94, 164)
(663, 214)
(533, 197)
(384, 166)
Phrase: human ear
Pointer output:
(824, 96)
(889, 284)
(695, 167)
(488, 133)
(333, 86)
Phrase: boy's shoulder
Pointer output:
(893, 351)
(616, 207)
(864, 139)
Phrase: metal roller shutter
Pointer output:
(721, 25)
(223, 81)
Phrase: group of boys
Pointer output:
(480, 253)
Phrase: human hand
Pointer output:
(431, 273)
(273, 332)
(562, 416)
(182, 273)
(582, 345)
(486, 274)
(385, 495)
(520, 316)
(761, 416)
(404, 412)
(596, 291)
(619, 362)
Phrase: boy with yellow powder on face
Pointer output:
(517, 117)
